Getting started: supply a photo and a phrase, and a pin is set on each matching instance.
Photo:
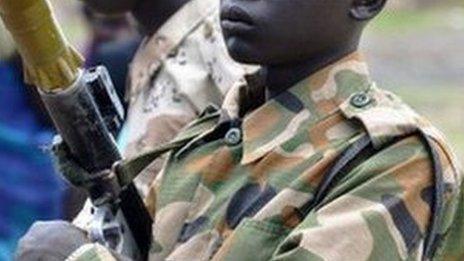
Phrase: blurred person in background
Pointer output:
(29, 187)
(113, 43)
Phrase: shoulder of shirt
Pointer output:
(195, 30)
(386, 118)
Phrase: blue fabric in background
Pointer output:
(29, 188)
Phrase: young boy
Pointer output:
(328, 167)
(308, 160)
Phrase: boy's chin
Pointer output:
(242, 51)
(247, 52)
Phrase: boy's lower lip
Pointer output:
(235, 26)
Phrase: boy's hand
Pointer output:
(52, 240)
(66, 165)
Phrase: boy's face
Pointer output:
(286, 31)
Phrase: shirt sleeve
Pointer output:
(380, 210)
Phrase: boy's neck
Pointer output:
(151, 15)
(279, 78)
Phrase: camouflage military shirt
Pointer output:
(175, 75)
(243, 189)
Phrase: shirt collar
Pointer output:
(300, 107)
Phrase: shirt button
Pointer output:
(233, 136)
(360, 100)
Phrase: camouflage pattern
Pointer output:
(91, 252)
(223, 198)
(175, 75)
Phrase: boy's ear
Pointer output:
(364, 10)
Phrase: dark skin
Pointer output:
(149, 14)
(292, 39)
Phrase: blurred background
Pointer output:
(415, 48)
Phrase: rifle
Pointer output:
(87, 113)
